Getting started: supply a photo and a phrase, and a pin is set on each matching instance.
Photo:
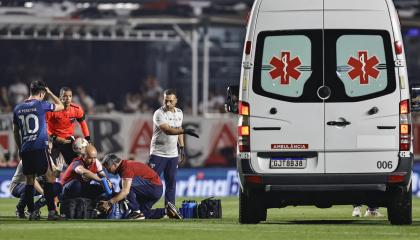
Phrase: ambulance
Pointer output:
(324, 108)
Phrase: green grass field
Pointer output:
(287, 223)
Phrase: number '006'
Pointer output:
(384, 164)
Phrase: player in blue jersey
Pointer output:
(31, 137)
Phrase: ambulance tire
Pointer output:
(400, 206)
(250, 209)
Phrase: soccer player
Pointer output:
(167, 136)
(17, 189)
(83, 169)
(61, 126)
(30, 134)
(141, 186)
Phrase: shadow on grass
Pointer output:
(338, 222)
(370, 222)
(14, 220)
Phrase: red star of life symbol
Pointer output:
(363, 67)
(285, 68)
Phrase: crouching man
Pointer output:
(141, 186)
(77, 177)
(17, 188)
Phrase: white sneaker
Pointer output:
(373, 213)
(357, 212)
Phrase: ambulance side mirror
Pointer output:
(415, 97)
(232, 99)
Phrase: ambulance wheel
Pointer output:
(399, 206)
(250, 209)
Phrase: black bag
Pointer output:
(210, 208)
(77, 208)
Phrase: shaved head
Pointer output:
(91, 151)
(90, 155)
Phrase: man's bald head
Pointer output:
(91, 151)
(90, 155)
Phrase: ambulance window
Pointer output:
(361, 64)
(284, 65)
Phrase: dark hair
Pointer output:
(65, 89)
(37, 86)
(170, 92)
(110, 159)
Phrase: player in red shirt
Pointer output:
(76, 179)
(61, 126)
(141, 186)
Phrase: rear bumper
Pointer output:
(363, 182)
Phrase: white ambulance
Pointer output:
(324, 108)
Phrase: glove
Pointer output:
(104, 206)
(88, 139)
(53, 138)
(191, 132)
(181, 156)
(71, 138)
(107, 185)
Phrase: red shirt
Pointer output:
(71, 174)
(62, 123)
(131, 169)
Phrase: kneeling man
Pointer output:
(141, 186)
(82, 170)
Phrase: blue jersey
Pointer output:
(30, 117)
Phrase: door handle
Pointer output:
(339, 124)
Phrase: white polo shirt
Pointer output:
(164, 145)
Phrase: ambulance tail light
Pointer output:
(244, 139)
(405, 125)
(397, 177)
(248, 47)
(253, 179)
(243, 108)
(398, 47)
(244, 131)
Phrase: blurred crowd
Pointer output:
(146, 99)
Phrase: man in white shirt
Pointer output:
(168, 134)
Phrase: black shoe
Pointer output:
(20, 213)
(40, 203)
(54, 216)
(172, 211)
(35, 216)
(136, 216)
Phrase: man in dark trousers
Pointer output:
(141, 186)
(30, 134)
(61, 127)
(168, 135)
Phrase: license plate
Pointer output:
(288, 163)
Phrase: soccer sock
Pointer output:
(29, 197)
(40, 203)
(49, 195)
